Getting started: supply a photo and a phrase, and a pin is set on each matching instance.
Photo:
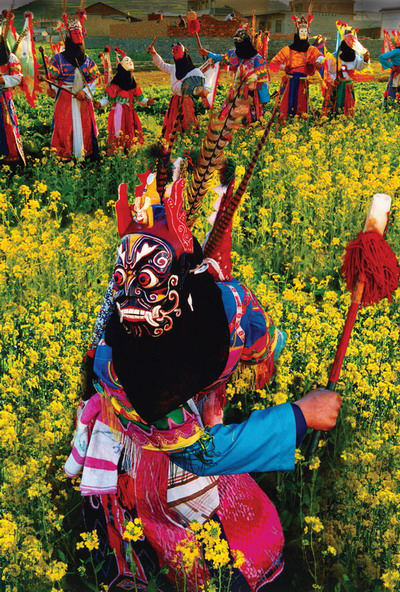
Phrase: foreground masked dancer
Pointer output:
(352, 59)
(187, 82)
(74, 124)
(391, 59)
(244, 60)
(150, 439)
(299, 61)
(124, 125)
(11, 151)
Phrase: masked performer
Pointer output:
(74, 125)
(151, 441)
(352, 58)
(187, 82)
(298, 61)
(391, 59)
(10, 76)
(245, 61)
(124, 125)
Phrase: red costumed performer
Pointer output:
(181, 73)
(74, 125)
(124, 125)
(10, 76)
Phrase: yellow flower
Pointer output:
(133, 530)
(90, 540)
(56, 571)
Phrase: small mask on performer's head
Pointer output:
(127, 64)
(178, 51)
(303, 31)
(76, 32)
(241, 35)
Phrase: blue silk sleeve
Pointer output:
(216, 57)
(266, 441)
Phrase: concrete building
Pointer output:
(390, 18)
(101, 16)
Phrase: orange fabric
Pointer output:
(295, 61)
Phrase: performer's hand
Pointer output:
(203, 52)
(1, 79)
(286, 68)
(150, 102)
(367, 56)
(151, 49)
(81, 95)
(310, 68)
(97, 104)
(51, 93)
(320, 408)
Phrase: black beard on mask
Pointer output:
(244, 49)
(299, 44)
(183, 66)
(124, 79)
(346, 53)
(4, 53)
(161, 373)
(74, 52)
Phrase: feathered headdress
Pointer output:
(302, 21)
(71, 23)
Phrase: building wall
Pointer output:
(210, 27)
(99, 26)
(336, 6)
(390, 20)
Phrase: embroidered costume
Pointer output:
(150, 440)
(10, 76)
(74, 124)
(391, 59)
(244, 61)
(124, 125)
(352, 58)
(298, 61)
(186, 82)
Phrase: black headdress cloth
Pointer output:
(124, 79)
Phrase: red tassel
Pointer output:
(370, 259)
(265, 371)
(193, 26)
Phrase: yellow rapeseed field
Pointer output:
(306, 200)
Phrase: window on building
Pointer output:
(278, 27)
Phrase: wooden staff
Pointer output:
(371, 272)
(51, 83)
(152, 43)
(46, 78)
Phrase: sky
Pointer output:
(374, 5)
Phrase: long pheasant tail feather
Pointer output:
(225, 215)
(20, 39)
(211, 152)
